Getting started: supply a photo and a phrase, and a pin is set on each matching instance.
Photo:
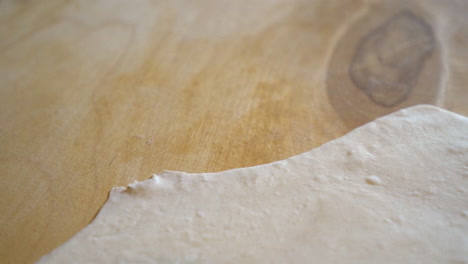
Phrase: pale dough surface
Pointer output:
(392, 191)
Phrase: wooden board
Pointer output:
(96, 94)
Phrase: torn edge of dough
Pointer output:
(169, 179)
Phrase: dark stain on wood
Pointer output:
(387, 59)
(387, 62)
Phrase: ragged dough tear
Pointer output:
(392, 191)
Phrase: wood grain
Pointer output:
(96, 94)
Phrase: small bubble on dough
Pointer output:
(373, 180)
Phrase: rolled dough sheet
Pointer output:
(392, 191)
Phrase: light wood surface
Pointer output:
(96, 94)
